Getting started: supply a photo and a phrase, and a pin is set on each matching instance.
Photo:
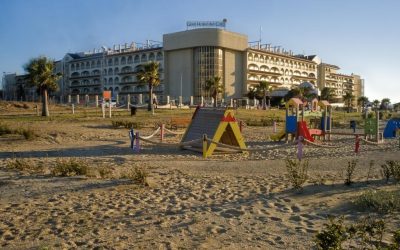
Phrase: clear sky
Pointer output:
(359, 36)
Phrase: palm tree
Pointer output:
(149, 73)
(376, 104)
(306, 93)
(362, 101)
(252, 93)
(41, 75)
(264, 88)
(215, 87)
(348, 100)
(327, 94)
(294, 92)
(385, 103)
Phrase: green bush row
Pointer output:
(365, 234)
(28, 134)
(127, 124)
(262, 122)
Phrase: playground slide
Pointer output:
(303, 131)
(278, 136)
(391, 127)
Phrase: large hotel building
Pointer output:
(187, 60)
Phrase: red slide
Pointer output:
(303, 131)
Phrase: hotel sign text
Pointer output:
(204, 24)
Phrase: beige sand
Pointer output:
(226, 202)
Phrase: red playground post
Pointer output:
(357, 146)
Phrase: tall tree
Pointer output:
(306, 93)
(385, 103)
(149, 74)
(294, 92)
(303, 93)
(327, 94)
(376, 104)
(362, 101)
(348, 100)
(41, 75)
(214, 86)
(264, 88)
(252, 93)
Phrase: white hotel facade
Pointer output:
(188, 58)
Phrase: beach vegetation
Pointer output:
(351, 166)
(70, 167)
(149, 74)
(137, 175)
(366, 233)
(391, 169)
(379, 201)
(41, 75)
(297, 172)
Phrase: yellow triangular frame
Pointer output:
(224, 132)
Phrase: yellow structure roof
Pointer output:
(294, 102)
(324, 103)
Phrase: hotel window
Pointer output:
(151, 57)
(137, 60)
(159, 56)
(144, 58)
(208, 61)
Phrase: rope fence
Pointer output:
(320, 145)
(204, 141)
(371, 142)
(249, 149)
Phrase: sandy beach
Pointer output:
(239, 201)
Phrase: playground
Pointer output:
(240, 199)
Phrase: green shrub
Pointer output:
(4, 129)
(396, 239)
(18, 164)
(24, 165)
(391, 169)
(380, 201)
(126, 124)
(104, 172)
(297, 172)
(385, 172)
(71, 167)
(332, 236)
(394, 169)
(351, 166)
(371, 165)
(28, 134)
(364, 234)
(137, 175)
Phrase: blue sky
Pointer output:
(360, 36)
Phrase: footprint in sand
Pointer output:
(230, 213)
(275, 218)
(216, 229)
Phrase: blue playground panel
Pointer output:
(291, 124)
(391, 127)
(323, 123)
